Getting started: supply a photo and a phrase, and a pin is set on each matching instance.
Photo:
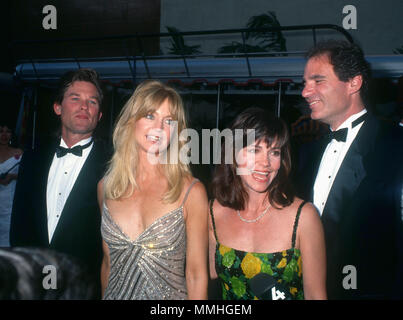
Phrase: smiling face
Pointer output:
(153, 131)
(329, 98)
(79, 111)
(259, 164)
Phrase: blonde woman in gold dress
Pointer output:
(154, 213)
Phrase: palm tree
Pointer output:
(178, 45)
(398, 50)
(269, 41)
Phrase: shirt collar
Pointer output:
(79, 143)
(347, 123)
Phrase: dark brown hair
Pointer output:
(84, 74)
(347, 59)
(227, 186)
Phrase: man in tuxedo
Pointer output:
(353, 176)
(55, 204)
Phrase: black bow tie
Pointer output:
(341, 134)
(77, 150)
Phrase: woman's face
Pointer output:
(258, 165)
(153, 131)
(5, 135)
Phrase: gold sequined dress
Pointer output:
(151, 267)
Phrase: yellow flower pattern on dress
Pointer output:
(224, 249)
(299, 266)
(245, 265)
(235, 268)
(282, 263)
(250, 265)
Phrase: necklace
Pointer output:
(256, 219)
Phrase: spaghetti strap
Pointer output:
(212, 219)
(188, 190)
(294, 232)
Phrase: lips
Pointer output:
(260, 176)
(82, 116)
(153, 138)
(312, 102)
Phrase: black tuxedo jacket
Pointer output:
(362, 216)
(78, 230)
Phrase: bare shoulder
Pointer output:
(100, 186)
(217, 212)
(196, 204)
(197, 189)
(309, 216)
(220, 211)
(197, 194)
(100, 190)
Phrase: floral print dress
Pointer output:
(235, 267)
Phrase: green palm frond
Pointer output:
(178, 45)
(263, 41)
(398, 50)
(271, 40)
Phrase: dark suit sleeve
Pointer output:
(20, 224)
(377, 223)
(306, 164)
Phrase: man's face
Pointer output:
(329, 98)
(79, 111)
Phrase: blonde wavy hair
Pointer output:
(120, 178)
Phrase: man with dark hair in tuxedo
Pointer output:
(55, 204)
(353, 177)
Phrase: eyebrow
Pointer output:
(316, 77)
(77, 95)
(258, 145)
(169, 115)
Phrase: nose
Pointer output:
(265, 161)
(157, 126)
(85, 105)
(306, 92)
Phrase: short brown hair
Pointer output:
(84, 74)
(227, 186)
(347, 59)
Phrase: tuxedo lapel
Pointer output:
(80, 195)
(351, 172)
(44, 163)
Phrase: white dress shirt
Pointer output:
(331, 160)
(62, 176)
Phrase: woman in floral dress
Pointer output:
(257, 226)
